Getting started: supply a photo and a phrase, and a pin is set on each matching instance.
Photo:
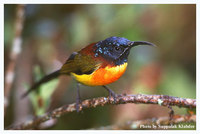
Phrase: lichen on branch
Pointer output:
(162, 100)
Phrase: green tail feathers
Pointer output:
(43, 80)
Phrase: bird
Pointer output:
(97, 64)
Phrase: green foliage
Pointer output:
(177, 82)
(41, 99)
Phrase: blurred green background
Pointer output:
(52, 32)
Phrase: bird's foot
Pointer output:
(111, 94)
(78, 99)
(78, 104)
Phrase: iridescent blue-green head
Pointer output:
(116, 49)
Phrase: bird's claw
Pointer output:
(112, 94)
(78, 105)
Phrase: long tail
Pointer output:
(43, 80)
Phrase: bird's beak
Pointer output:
(136, 43)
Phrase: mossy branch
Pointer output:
(162, 100)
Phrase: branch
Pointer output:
(162, 100)
(15, 51)
(154, 123)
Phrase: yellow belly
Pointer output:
(101, 76)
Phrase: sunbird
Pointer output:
(97, 64)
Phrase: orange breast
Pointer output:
(101, 76)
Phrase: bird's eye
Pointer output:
(118, 49)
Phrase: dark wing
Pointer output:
(79, 64)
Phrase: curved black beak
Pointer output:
(136, 43)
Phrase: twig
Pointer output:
(15, 51)
(154, 123)
(162, 100)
